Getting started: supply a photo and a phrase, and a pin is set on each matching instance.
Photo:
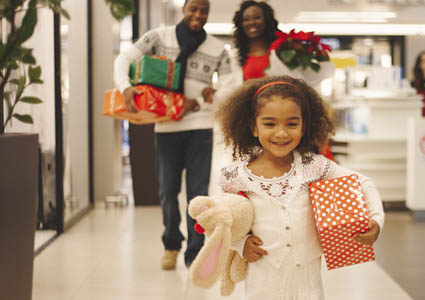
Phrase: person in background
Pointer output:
(184, 144)
(254, 32)
(274, 124)
(418, 81)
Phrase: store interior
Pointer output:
(377, 112)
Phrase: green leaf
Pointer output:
(24, 118)
(287, 55)
(2, 48)
(14, 81)
(34, 74)
(293, 64)
(25, 55)
(121, 8)
(31, 100)
(21, 85)
(304, 60)
(7, 98)
(28, 23)
(64, 13)
(315, 66)
(13, 65)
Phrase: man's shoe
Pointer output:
(169, 260)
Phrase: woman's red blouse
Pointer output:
(254, 66)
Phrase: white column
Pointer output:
(107, 134)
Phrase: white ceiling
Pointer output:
(285, 10)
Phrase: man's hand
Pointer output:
(370, 236)
(129, 94)
(208, 94)
(251, 251)
(190, 105)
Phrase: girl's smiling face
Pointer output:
(278, 126)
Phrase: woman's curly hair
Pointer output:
(418, 74)
(237, 115)
(241, 41)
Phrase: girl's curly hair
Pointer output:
(418, 75)
(237, 115)
(241, 41)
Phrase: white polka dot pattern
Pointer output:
(340, 212)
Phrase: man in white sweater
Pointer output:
(184, 144)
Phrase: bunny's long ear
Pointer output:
(210, 261)
(227, 283)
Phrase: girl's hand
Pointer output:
(251, 251)
(129, 94)
(370, 236)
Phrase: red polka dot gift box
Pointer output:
(340, 212)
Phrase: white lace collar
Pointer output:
(276, 178)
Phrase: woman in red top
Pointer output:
(419, 77)
(255, 27)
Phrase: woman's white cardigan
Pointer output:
(277, 67)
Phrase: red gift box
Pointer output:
(154, 105)
(340, 212)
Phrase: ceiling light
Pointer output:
(178, 3)
(344, 16)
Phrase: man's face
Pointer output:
(195, 14)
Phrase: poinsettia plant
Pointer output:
(300, 49)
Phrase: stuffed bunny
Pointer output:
(224, 218)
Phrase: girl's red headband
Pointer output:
(269, 84)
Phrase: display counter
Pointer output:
(371, 138)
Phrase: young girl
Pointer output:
(274, 126)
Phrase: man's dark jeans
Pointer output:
(175, 151)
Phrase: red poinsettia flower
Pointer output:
(281, 38)
(300, 49)
(325, 47)
(303, 36)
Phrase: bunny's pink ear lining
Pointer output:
(210, 263)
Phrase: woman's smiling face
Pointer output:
(278, 126)
(253, 23)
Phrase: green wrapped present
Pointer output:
(157, 71)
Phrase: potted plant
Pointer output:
(19, 152)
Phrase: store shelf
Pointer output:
(341, 150)
(393, 197)
(360, 138)
(401, 167)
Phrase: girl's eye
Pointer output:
(293, 124)
(268, 124)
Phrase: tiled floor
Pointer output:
(114, 254)
(42, 237)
